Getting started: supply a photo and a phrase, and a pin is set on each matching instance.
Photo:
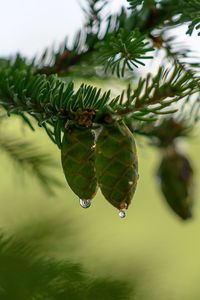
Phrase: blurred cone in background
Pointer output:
(177, 182)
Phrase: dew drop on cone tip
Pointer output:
(85, 203)
(122, 213)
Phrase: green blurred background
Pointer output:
(149, 255)
(152, 250)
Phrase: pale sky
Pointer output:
(29, 26)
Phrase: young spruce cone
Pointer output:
(77, 155)
(116, 164)
(176, 179)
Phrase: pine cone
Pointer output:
(177, 184)
(116, 164)
(77, 155)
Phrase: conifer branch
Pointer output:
(29, 89)
(170, 12)
(168, 128)
(123, 50)
(116, 50)
(186, 10)
(115, 46)
(134, 3)
(154, 94)
(27, 274)
(52, 102)
(178, 52)
(31, 159)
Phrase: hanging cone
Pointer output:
(176, 179)
(77, 155)
(116, 164)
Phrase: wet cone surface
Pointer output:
(116, 164)
(77, 156)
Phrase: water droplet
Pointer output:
(122, 213)
(85, 203)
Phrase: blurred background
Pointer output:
(151, 254)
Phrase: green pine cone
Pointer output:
(116, 164)
(77, 155)
(176, 179)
